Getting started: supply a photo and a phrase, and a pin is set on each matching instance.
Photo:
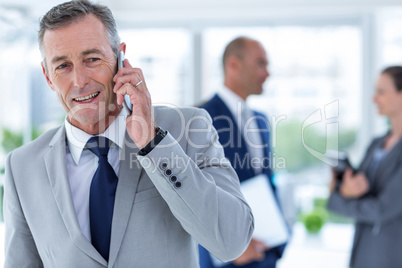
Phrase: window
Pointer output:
(312, 68)
(164, 57)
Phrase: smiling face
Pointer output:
(387, 97)
(80, 69)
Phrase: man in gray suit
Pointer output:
(168, 186)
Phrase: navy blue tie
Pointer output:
(101, 197)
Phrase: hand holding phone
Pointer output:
(130, 85)
(120, 64)
(340, 163)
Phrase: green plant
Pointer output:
(11, 140)
(314, 221)
(14, 139)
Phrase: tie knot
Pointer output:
(99, 145)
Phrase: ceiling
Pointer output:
(41, 6)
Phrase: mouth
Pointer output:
(87, 98)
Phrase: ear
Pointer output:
(46, 76)
(233, 63)
(122, 47)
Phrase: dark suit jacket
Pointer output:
(236, 151)
(378, 214)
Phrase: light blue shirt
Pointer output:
(245, 120)
(82, 164)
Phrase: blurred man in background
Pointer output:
(244, 134)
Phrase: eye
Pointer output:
(62, 66)
(262, 64)
(93, 59)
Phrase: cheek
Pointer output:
(61, 79)
(109, 65)
(103, 75)
(59, 82)
(108, 68)
(396, 103)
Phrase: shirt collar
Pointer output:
(77, 138)
(235, 104)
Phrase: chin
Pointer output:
(258, 92)
(381, 112)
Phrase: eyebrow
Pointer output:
(57, 59)
(91, 51)
(84, 53)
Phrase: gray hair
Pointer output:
(69, 12)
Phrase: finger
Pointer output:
(120, 99)
(348, 174)
(362, 181)
(133, 80)
(261, 246)
(258, 255)
(128, 72)
(130, 75)
(128, 69)
(126, 89)
(140, 83)
(127, 64)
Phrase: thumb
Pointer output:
(348, 174)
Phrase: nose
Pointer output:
(266, 74)
(80, 77)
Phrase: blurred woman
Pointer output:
(373, 195)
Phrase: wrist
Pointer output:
(158, 136)
(151, 137)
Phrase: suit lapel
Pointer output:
(391, 161)
(129, 175)
(233, 144)
(55, 162)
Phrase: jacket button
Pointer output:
(177, 184)
(163, 165)
(173, 179)
(168, 172)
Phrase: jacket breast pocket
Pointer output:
(146, 195)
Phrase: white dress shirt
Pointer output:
(82, 164)
(246, 121)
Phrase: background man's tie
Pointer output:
(101, 198)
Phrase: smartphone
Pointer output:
(120, 60)
(340, 163)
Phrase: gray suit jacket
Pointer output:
(155, 222)
(378, 214)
